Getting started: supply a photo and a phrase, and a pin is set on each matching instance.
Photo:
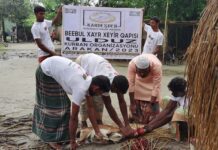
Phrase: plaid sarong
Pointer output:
(145, 111)
(98, 105)
(52, 110)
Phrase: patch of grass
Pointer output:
(167, 72)
(2, 48)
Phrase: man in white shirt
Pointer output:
(96, 65)
(41, 35)
(154, 40)
(55, 117)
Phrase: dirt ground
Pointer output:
(17, 83)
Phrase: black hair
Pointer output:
(38, 9)
(177, 84)
(103, 82)
(156, 19)
(121, 83)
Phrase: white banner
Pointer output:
(114, 33)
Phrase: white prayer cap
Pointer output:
(142, 62)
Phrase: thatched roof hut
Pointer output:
(202, 74)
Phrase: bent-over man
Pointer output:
(144, 75)
(96, 65)
(55, 117)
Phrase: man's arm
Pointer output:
(157, 76)
(159, 44)
(57, 18)
(157, 49)
(131, 78)
(131, 97)
(111, 111)
(143, 25)
(123, 108)
(126, 131)
(44, 48)
(92, 115)
(164, 116)
(73, 124)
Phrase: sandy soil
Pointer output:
(17, 82)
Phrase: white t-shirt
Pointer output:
(95, 65)
(40, 31)
(182, 101)
(153, 39)
(71, 76)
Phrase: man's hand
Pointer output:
(153, 99)
(127, 131)
(148, 128)
(99, 136)
(53, 53)
(56, 54)
(142, 131)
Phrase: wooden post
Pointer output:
(176, 40)
(165, 30)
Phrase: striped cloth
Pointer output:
(145, 112)
(98, 105)
(52, 110)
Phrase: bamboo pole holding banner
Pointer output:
(165, 29)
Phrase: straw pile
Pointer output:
(202, 74)
(157, 139)
(15, 133)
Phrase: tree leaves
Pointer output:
(178, 9)
(15, 10)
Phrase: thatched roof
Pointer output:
(202, 74)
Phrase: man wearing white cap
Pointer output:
(144, 76)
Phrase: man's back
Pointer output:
(96, 65)
(69, 75)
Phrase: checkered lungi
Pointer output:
(98, 105)
(145, 111)
(52, 110)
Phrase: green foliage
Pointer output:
(178, 9)
(186, 9)
(21, 11)
(51, 6)
(15, 10)
(29, 21)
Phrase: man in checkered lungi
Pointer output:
(55, 117)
